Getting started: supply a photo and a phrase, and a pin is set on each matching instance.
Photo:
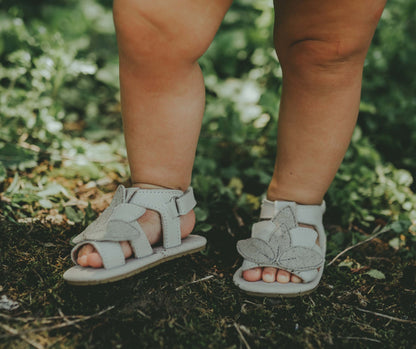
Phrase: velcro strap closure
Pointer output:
(306, 214)
(186, 202)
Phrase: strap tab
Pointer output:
(306, 214)
(186, 202)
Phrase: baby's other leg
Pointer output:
(162, 95)
(321, 47)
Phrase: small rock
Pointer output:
(8, 304)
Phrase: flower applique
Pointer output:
(283, 245)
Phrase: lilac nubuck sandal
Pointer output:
(119, 223)
(278, 241)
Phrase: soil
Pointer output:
(191, 302)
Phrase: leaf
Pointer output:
(205, 227)
(14, 157)
(201, 214)
(256, 250)
(14, 186)
(52, 190)
(73, 215)
(346, 263)
(127, 213)
(45, 203)
(376, 274)
(300, 258)
(286, 217)
(3, 173)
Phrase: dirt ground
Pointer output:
(192, 303)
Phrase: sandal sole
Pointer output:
(133, 272)
(289, 295)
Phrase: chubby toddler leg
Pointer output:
(162, 96)
(321, 47)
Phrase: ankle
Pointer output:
(301, 197)
(142, 185)
(147, 186)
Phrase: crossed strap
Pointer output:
(119, 222)
(283, 244)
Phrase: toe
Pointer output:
(82, 261)
(269, 274)
(94, 260)
(252, 274)
(295, 279)
(283, 276)
(84, 250)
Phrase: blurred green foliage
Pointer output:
(59, 104)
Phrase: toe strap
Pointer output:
(284, 245)
(110, 252)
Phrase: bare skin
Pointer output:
(321, 47)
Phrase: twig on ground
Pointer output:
(194, 282)
(238, 218)
(362, 338)
(61, 325)
(387, 316)
(385, 229)
(43, 319)
(64, 317)
(15, 332)
(241, 335)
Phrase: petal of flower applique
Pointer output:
(127, 213)
(286, 216)
(300, 258)
(122, 224)
(256, 250)
(97, 229)
(280, 240)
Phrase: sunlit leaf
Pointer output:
(376, 274)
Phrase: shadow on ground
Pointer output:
(192, 303)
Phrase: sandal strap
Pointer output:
(306, 214)
(140, 245)
(170, 204)
(111, 253)
(119, 221)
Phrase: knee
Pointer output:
(336, 48)
(146, 31)
(323, 58)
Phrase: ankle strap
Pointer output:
(170, 204)
(306, 214)
(186, 202)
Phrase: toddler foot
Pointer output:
(268, 274)
(151, 225)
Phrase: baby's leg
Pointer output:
(162, 87)
(321, 47)
(162, 94)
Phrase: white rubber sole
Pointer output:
(276, 289)
(81, 276)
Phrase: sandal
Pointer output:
(119, 223)
(278, 241)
